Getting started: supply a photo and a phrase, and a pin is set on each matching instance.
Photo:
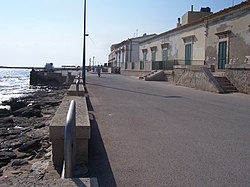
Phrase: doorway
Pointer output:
(222, 55)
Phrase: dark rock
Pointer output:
(22, 155)
(15, 145)
(6, 120)
(40, 125)
(10, 134)
(1, 172)
(36, 106)
(16, 105)
(11, 137)
(19, 162)
(9, 154)
(29, 145)
(53, 103)
(4, 112)
(28, 112)
(6, 156)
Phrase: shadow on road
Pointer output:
(132, 91)
(99, 165)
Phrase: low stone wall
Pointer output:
(198, 77)
(239, 76)
(136, 73)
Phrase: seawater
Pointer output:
(14, 83)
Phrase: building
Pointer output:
(124, 55)
(202, 38)
(228, 36)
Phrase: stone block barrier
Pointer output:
(57, 126)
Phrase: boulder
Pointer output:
(28, 112)
(29, 145)
(6, 156)
(39, 125)
(4, 112)
(16, 105)
(18, 162)
(6, 120)
(15, 145)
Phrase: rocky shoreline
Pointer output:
(25, 147)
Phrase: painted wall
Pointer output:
(238, 23)
(176, 45)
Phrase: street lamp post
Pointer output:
(84, 44)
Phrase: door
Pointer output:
(222, 56)
(188, 54)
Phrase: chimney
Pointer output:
(192, 8)
(179, 22)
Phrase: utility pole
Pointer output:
(84, 45)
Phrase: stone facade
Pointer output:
(239, 76)
(198, 77)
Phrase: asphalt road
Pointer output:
(158, 134)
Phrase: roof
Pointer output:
(212, 16)
(136, 39)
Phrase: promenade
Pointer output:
(157, 134)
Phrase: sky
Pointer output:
(35, 32)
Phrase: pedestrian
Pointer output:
(98, 69)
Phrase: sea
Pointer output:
(14, 83)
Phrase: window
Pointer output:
(141, 64)
(164, 52)
(153, 53)
(145, 52)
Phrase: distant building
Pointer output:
(123, 55)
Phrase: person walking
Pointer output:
(98, 69)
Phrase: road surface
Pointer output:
(158, 134)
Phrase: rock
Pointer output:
(6, 156)
(16, 105)
(48, 155)
(4, 112)
(6, 120)
(28, 112)
(38, 126)
(29, 145)
(1, 172)
(22, 155)
(18, 162)
(53, 103)
(14, 145)
(36, 106)
(40, 168)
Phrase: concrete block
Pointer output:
(72, 90)
(56, 130)
(81, 151)
(57, 152)
(81, 81)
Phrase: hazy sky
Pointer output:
(33, 32)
